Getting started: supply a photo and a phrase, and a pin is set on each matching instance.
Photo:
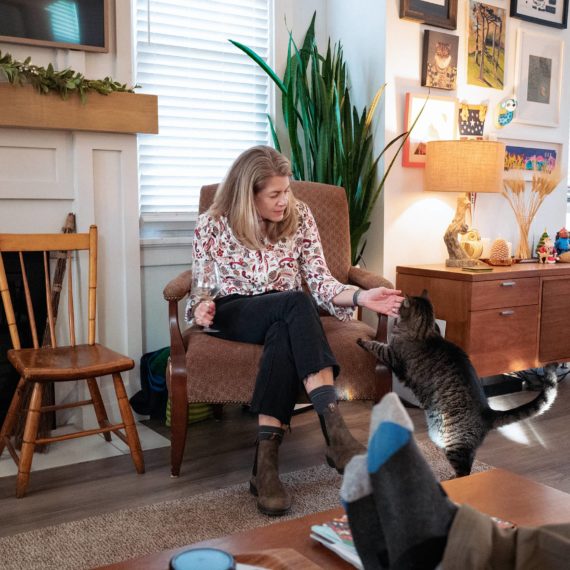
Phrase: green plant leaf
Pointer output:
(262, 63)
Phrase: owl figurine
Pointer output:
(505, 112)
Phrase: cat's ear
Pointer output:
(425, 294)
(406, 303)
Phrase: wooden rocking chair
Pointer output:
(73, 362)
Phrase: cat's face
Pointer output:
(442, 49)
(417, 313)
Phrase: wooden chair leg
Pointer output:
(12, 415)
(29, 443)
(178, 429)
(129, 421)
(100, 411)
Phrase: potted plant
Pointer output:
(330, 140)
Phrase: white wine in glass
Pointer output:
(206, 282)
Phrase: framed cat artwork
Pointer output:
(438, 13)
(439, 61)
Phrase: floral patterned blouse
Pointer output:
(281, 266)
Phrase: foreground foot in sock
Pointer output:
(358, 502)
(414, 511)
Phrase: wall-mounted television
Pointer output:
(71, 24)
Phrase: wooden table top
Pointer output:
(497, 492)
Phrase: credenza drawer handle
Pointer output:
(507, 313)
(508, 284)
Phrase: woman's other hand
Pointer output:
(382, 300)
(204, 313)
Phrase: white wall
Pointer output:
(46, 174)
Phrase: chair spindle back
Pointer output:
(65, 245)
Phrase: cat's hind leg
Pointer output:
(461, 459)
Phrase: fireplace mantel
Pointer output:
(23, 107)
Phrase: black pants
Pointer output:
(294, 344)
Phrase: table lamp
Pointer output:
(468, 166)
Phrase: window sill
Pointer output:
(166, 239)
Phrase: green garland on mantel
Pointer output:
(46, 80)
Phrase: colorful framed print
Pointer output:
(486, 45)
(529, 157)
(552, 13)
(438, 121)
(471, 120)
(439, 61)
(438, 13)
(538, 78)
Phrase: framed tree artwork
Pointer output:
(553, 13)
(438, 13)
(439, 60)
(486, 45)
(438, 121)
(538, 78)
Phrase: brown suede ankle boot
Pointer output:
(341, 444)
(272, 497)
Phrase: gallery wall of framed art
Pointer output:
(496, 98)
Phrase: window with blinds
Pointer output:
(212, 99)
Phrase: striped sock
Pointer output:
(412, 507)
(358, 502)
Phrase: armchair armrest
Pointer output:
(369, 280)
(179, 287)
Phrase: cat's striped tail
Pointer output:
(533, 408)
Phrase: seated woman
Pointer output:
(266, 243)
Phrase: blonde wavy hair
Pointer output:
(235, 197)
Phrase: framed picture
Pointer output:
(528, 157)
(439, 60)
(552, 13)
(538, 78)
(486, 45)
(471, 120)
(438, 13)
(438, 121)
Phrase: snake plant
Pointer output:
(330, 140)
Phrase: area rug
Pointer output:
(120, 535)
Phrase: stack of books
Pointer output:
(336, 535)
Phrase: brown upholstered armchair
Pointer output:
(207, 369)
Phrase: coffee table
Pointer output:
(496, 492)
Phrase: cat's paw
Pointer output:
(361, 342)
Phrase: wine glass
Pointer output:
(206, 282)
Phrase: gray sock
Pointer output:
(413, 509)
(322, 397)
(358, 502)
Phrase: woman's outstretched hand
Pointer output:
(382, 300)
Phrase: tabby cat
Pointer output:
(444, 381)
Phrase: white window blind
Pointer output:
(212, 98)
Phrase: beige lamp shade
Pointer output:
(464, 166)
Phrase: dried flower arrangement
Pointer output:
(525, 204)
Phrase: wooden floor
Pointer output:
(220, 454)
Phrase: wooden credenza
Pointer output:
(511, 318)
